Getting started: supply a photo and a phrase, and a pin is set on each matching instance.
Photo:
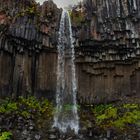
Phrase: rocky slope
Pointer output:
(32, 119)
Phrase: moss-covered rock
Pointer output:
(119, 117)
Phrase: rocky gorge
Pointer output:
(107, 48)
(106, 43)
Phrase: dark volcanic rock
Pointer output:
(27, 44)
(107, 40)
(107, 37)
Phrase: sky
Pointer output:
(61, 3)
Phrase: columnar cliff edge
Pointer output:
(28, 47)
(107, 44)
(107, 37)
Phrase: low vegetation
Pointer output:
(77, 17)
(5, 135)
(119, 117)
(104, 116)
(24, 113)
(26, 107)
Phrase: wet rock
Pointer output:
(53, 131)
(53, 137)
(90, 133)
(31, 128)
(108, 133)
(37, 137)
(25, 132)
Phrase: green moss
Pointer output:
(11, 106)
(25, 114)
(29, 11)
(31, 102)
(131, 106)
(8, 107)
(99, 109)
(5, 135)
(38, 107)
(26, 107)
(128, 118)
(104, 113)
(77, 17)
(119, 117)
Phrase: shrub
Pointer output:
(117, 116)
(5, 136)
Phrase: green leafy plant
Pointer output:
(108, 113)
(38, 106)
(117, 116)
(128, 118)
(99, 109)
(31, 102)
(8, 107)
(25, 114)
(131, 106)
(77, 17)
(5, 135)
(26, 107)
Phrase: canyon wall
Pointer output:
(28, 41)
(107, 45)
(107, 34)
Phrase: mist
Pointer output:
(62, 3)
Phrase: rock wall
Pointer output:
(28, 41)
(107, 44)
(107, 39)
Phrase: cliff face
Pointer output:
(28, 35)
(107, 36)
(107, 44)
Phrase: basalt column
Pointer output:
(107, 40)
(28, 39)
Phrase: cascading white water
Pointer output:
(66, 115)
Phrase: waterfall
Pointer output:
(66, 115)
